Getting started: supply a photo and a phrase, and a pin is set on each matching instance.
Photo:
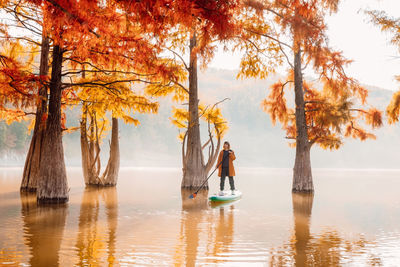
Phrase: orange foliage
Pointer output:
(392, 26)
(115, 43)
(330, 101)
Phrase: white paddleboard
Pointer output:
(228, 196)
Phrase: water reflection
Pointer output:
(302, 206)
(94, 241)
(150, 226)
(328, 248)
(223, 234)
(192, 215)
(199, 222)
(43, 230)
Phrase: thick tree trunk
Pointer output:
(52, 184)
(302, 175)
(302, 206)
(194, 172)
(32, 162)
(110, 176)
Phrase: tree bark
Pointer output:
(90, 150)
(52, 184)
(302, 175)
(85, 147)
(193, 163)
(32, 161)
(110, 176)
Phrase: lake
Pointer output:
(353, 219)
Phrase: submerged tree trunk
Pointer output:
(32, 162)
(90, 151)
(52, 184)
(302, 175)
(194, 172)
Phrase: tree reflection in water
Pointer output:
(93, 240)
(192, 215)
(325, 249)
(43, 229)
(217, 230)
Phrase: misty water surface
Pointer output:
(352, 220)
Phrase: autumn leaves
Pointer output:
(116, 58)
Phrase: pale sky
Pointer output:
(350, 32)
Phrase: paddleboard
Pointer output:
(222, 204)
(226, 197)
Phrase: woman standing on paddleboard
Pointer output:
(225, 167)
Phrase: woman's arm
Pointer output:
(232, 155)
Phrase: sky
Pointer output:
(373, 56)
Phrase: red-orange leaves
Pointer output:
(355, 131)
(276, 103)
(299, 33)
(374, 118)
(393, 110)
(390, 25)
(18, 86)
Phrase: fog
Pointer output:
(256, 142)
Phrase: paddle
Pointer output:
(195, 193)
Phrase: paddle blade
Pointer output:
(192, 195)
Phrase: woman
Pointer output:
(225, 167)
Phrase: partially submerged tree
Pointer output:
(324, 111)
(84, 33)
(96, 101)
(216, 127)
(22, 38)
(195, 37)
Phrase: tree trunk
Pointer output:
(90, 151)
(302, 206)
(302, 176)
(85, 153)
(110, 176)
(52, 184)
(193, 163)
(32, 162)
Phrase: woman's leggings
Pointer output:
(224, 173)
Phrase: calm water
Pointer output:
(352, 220)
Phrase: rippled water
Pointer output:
(352, 220)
